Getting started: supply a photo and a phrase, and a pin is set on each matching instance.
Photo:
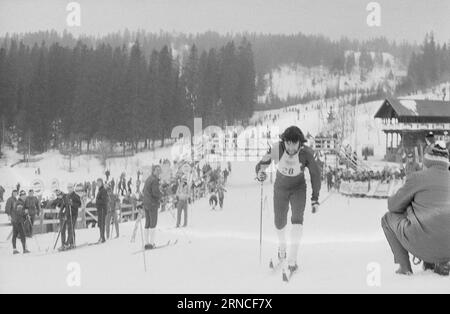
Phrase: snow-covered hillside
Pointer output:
(294, 80)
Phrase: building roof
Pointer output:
(415, 109)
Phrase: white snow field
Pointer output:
(340, 245)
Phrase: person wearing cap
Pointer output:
(101, 203)
(182, 203)
(62, 203)
(18, 217)
(74, 205)
(411, 165)
(33, 205)
(418, 221)
(430, 140)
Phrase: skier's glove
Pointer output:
(315, 206)
(261, 176)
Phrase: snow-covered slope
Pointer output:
(294, 80)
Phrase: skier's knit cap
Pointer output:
(23, 193)
(437, 155)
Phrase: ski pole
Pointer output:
(72, 224)
(59, 233)
(260, 224)
(327, 198)
(143, 246)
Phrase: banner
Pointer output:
(54, 185)
(38, 187)
(382, 190)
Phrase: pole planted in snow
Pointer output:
(261, 223)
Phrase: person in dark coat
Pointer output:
(2, 192)
(411, 165)
(418, 221)
(33, 205)
(101, 202)
(107, 174)
(74, 204)
(329, 179)
(94, 188)
(11, 203)
(152, 200)
(112, 184)
(63, 205)
(18, 216)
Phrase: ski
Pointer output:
(276, 265)
(288, 274)
(58, 251)
(161, 246)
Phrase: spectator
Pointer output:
(107, 174)
(33, 206)
(18, 216)
(151, 203)
(2, 192)
(75, 204)
(418, 221)
(411, 165)
(62, 203)
(11, 204)
(113, 213)
(101, 203)
(182, 203)
(94, 188)
(329, 179)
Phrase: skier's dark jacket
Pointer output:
(75, 201)
(306, 159)
(101, 202)
(18, 213)
(63, 205)
(33, 206)
(152, 193)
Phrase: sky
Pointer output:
(401, 20)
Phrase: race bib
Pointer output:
(290, 166)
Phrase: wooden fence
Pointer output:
(86, 216)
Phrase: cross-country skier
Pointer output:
(292, 156)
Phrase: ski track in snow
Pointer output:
(223, 256)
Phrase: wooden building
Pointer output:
(406, 122)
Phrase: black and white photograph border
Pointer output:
(218, 147)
